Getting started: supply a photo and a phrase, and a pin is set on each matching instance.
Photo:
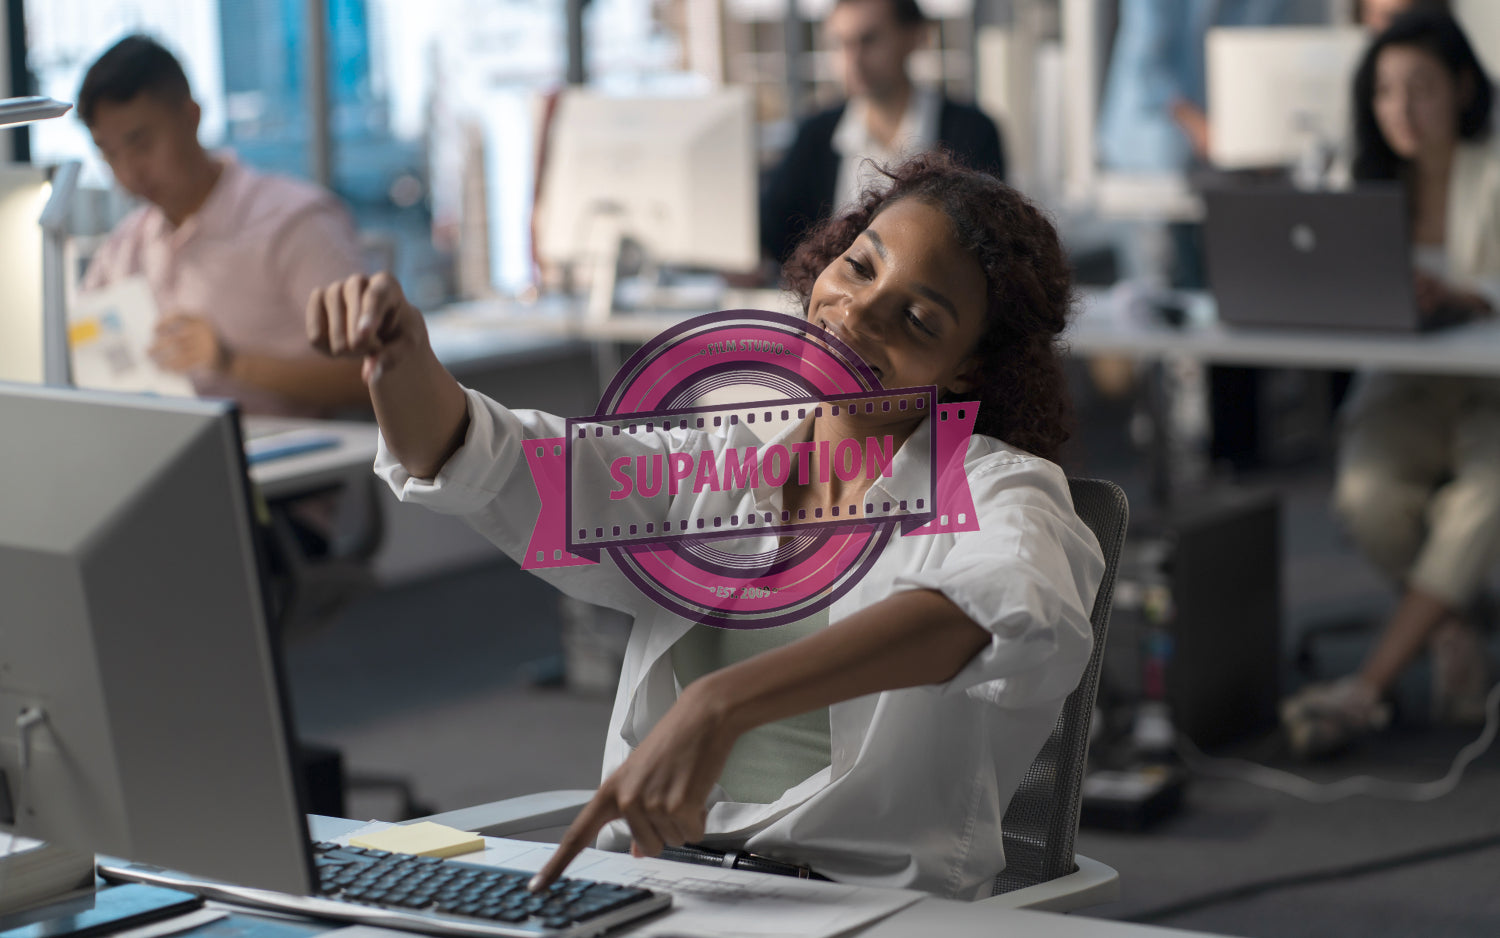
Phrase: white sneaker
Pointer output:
(1321, 719)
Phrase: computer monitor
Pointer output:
(141, 707)
(675, 175)
(1277, 94)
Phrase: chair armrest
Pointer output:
(1092, 883)
(517, 815)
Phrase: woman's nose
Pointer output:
(861, 315)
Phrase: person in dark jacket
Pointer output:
(885, 119)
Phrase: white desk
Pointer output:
(470, 330)
(290, 476)
(1473, 348)
(930, 917)
(470, 338)
(461, 325)
(473, 337)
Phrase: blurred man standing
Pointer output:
(885, 119)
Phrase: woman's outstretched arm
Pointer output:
(421, 409)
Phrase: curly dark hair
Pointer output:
(1020, 384)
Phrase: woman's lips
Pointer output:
(854, 346)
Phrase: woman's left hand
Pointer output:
(662, 789)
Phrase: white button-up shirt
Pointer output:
(861, 155)
(920, 777)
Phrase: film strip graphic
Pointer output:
(678, 456)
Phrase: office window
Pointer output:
(434, 106)
(65, 36)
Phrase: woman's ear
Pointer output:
(964, 381)
(1466, 90)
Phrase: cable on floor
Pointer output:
(1288, 783)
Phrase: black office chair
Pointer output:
(1042, 872)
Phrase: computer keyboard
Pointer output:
(425, 894)
(466, 890)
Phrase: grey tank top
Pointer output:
(769, 759)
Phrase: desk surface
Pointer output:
(1103, 327)
(466, 339)
(290, 476)
(468, 331)
(930, 916)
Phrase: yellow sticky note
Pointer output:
(83, 332)
(424, 839)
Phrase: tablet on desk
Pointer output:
(280, 444)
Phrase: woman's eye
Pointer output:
(918, 324)
(857, 268)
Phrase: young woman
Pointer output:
(1419, 466)
(880, 743)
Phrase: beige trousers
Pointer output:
(1419, 480)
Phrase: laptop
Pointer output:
(1283, 257)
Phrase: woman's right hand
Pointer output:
(371, 317)
(1429, 292)
(1442, 304)
(422, 411)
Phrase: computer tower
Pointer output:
(1223, 567)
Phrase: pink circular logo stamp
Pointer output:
(677, 477)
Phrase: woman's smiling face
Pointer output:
(907, 298)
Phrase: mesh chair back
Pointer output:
(1042, 819)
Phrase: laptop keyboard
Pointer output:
(483, 894)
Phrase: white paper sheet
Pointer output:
(709, 902)
(109, 331)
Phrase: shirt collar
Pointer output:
(918, 130)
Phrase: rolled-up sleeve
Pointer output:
(488, 483)
(1028, 576)
(482, 469)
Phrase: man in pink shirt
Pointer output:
(232, 256)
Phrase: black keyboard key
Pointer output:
(340, 855)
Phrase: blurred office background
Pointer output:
(425, 121)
